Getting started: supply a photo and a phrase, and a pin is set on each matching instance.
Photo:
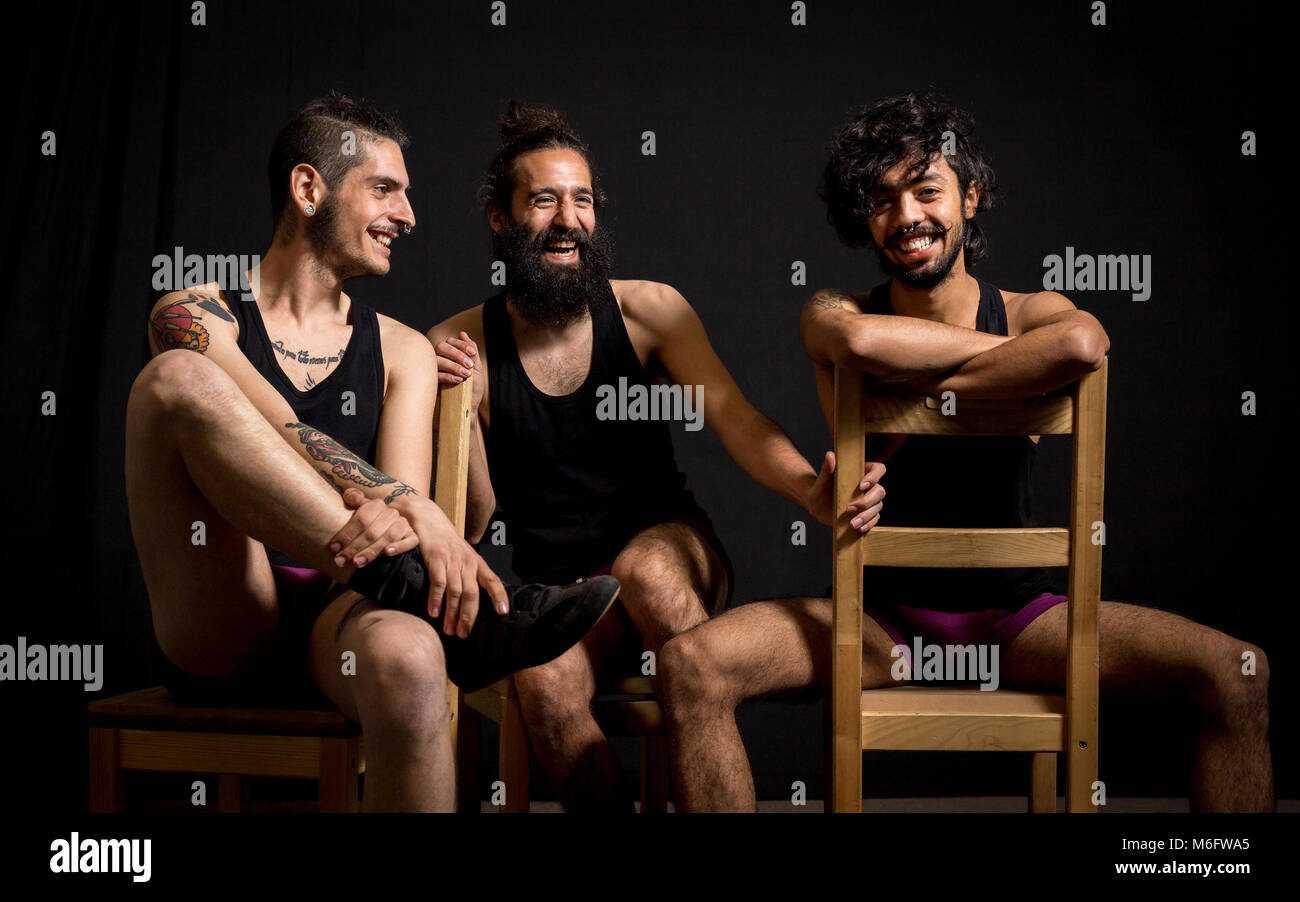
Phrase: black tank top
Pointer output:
(573, 488)
(361, 371)
(956, 481)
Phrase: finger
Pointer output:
(492, 583)
(371, 540)
(344, 543)
(458, 351)
(452, 600)
(387, 530)
(471, 347)
(449, 365)
(403, 545)
(469, 596)
(354, 497)
(872, 473)
(867, 518)
(867, 526)
(436, 565)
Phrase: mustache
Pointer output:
(917, 232)
(577, 236)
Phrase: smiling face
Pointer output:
(556, 257)
(918, 222)
(355, 224)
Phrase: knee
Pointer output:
(692, 677)
(175, 381)
(641, 572)
(1237, 674)
(656, 592)
(401, 679)
(558, 690)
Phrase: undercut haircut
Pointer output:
(911, 128)
(523, 130)
(315, 136)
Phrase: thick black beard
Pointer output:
(936, 272)
(548, 295)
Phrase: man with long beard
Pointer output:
(896, 184)
(259, 415)
(583, 492)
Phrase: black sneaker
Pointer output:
(544, 621)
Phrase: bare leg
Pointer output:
(670, 579)
(753, 650)
(397, 691)
(198, 452)
(1148, 652)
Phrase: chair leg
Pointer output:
(654, 774)
(1042, 793)
(467, 746)
(106, 785)
(338, 775)
(513, 753)
(233, 792)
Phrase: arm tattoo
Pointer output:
(825, 299)
(343, 463)
(177, 326)
(215, 309)
(402, 489)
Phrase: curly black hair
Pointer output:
(880, 136)
(315, 136)
(524, 130)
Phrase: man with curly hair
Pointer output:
(906, 179)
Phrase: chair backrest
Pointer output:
(451, 481)
(451, 469)
(1079, 410)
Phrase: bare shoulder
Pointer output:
(191, 319)
(828, 299)
(646, 302)
(402, 345)
(469, 321)
(1027, 309)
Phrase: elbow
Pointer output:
(850, 349)
(1087, 347)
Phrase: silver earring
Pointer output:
(311, 208)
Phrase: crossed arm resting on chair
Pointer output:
(772, 646)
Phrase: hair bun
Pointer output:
(519, 122)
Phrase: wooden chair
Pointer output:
(919, 718)
(630, 709)
(149, 730)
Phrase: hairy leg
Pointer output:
(670, 579)
(1156, 654)
(752, 650)
(555, 702)
(200, 457)
(397, 691)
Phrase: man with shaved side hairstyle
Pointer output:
(263, 417)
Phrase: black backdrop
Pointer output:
(1123, 138)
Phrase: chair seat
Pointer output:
(625, 708)
(921, 718)
(156, 709)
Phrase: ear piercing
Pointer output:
(311, 208)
